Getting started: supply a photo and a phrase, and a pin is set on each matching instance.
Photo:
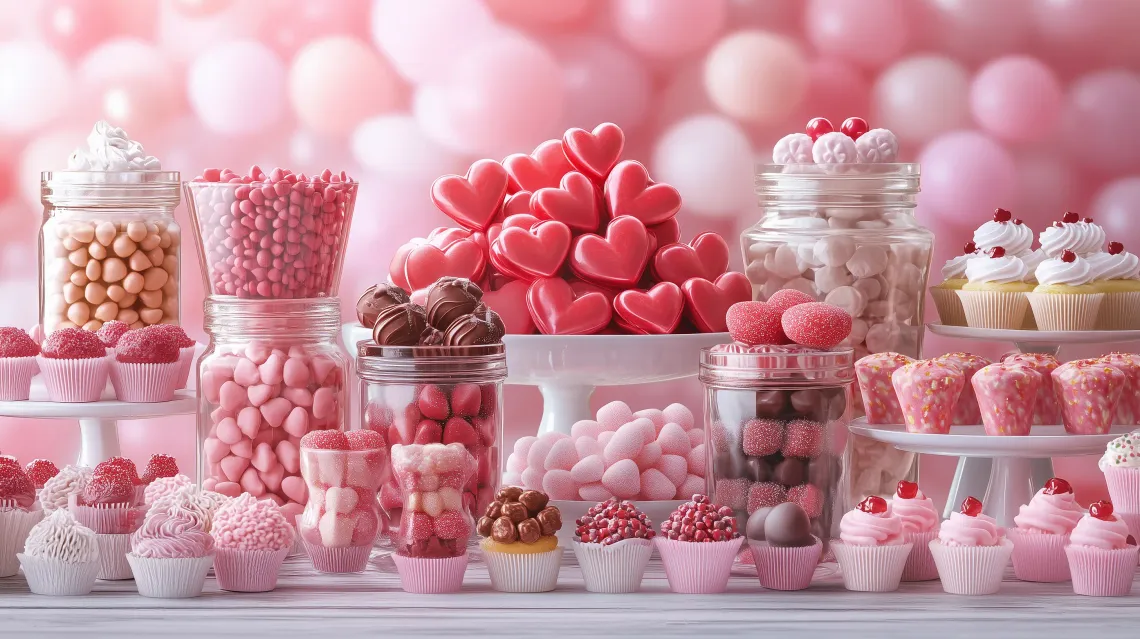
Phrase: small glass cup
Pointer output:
(342, 517)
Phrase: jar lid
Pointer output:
(111, 189)
(431, 364)
(739, 366)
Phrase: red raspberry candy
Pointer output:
(854, 128)
(325, 440)
(14, 342)
(16, 487)
(364, 440)
(41, 470)
(120, 465)
(110, 332)
(972, 507)
(786, 298)
(160, 465)
(1100, 510)
(762, 437)
(146, 346)
(175, 333)
(816, 127)
(809, 497)
(755, 323)
(73, 343)
(803, 438)
(816, 325)
(451, 525)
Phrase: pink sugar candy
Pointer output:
(588, 470)
(558, 484)
(653, 415)
(523, 444)
(605, 437)
(675, 467)
(1006, 395)
(762, 437)
(696, 437)
(765, 494)
(875, 373)
(692, 485)
(614, 414)
(656, 486)
(697, 461)
(14, 342)
(532, 478)
(562, 456)
(673, 440)
(73, 343)
(623, 479)
(594, 492)
(586, 427)
(1045, 408)
(679, 414)
(460, 431)
(325, 440)
(625, 444)
(723, 440)
(966, 411)
(803, 438)
(466, 399)
(586, 446)
(516, 463)
(731, 492)
(110, 332)
(1088, 391)
(649, 456)
(927, 392)
(536, 457)
(809, 497)
(645, 426)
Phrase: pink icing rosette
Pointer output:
(966, 409)
(927, 391)
(1087, 391)
(170, 536)
(1128, 407)
(1055, 514)
(1045, 409)
(1106, 534)
(251, 539)
(918, 515)
(860, 528)
(1101, 560)
(966, 530)
(879, 400)
(1006, 395)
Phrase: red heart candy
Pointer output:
(537, 252)
(580, 288)
(399, 260)
(503, 265)
(444, 237)
(618, 259)
(706, 256)
(667, 232)
(707, 303)
(509, 301)
(491, 234)
(426, 263)
(557, 311)
(574, 203)
(653, 312)
(594, 154)
(515, 204)
(522, 221)
(472, 200)
(629, 191)
(541, 169)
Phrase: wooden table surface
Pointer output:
(307, 603)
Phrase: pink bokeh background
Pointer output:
(1026, 104)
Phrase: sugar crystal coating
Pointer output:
(111, 331)
(73, 343)
(40, 471)
(325, 440)
(146, 346)
(15, 342)
(700, 520)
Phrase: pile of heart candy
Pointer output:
(569, 240)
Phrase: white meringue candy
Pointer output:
(877, 146)
(834, 148)
(794, 148)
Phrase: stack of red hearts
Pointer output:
(570, 240)
(788, 317)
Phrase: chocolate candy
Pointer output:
(482, 327)
(503, 531)
(508, 493)
(494, 510)
(787, 525)
(451, 298)
(485, 526)
(754, 527)
(530, 531)
(524, 516)
(515, 511)
(534, 501)
(399, 325)
(550, 518)
(789, 472)
(758, 469)
(377, 298)
(431, 337)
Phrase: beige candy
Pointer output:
(114, 270)
(128, 300)
(128, 316)
(97, 251)
(116, 292)
(151, 299)
(94, 270)
(70, 243)
(79, 278)
(139, 261)
(154, 278)
(151, 315)
(78, 257)
(156, 257)
(164, 240)
(79, 313)
(124, 246)
(93, 325)
(136, 231)
(150, 242)
(83, 232)
(105, 233)
(72, 293)
(107, 311)
(133, 283)
(95, 293)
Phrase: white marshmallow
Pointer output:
(848, 299)
(794, 148)
(834, 250)
(829, 278)
(868, 260)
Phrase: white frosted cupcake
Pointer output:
(1005, 231)
(61, 557)
(57, 491)
(1072, 233)
(945, 295)
(1065, 298)
(1117, 275)
(994, 293)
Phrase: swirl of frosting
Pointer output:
(1032, 260)
(918, 514)
(110, 149)
(69, 481)
(1122, 452)
(955, 267)
(1055, 514)
(1014, 238)
(1121, 266)
(61, 538)
(166, 486)
(964, 530)
(860, 528)
(170, 536)
(1099, 533)
(1000, 270)
(1082, 238)
(1057, 271)
(192, 503)
(248, 524)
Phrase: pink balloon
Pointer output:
(132, 84)
(603, 83)
(682, 95)
(1116, 208)
(541, 14)
(425, 39)
(869, 32)
(966, 174)
(327, 70)
(291, 24)
(1083, 32)
(1099, 125)
(238, 87)
(669, 29)
(776, 15)
(1016, 98)
(74, 26)
(921, 97)
(977, 30)
(1048, 187)
(200, 8)
(837, 90)
(756, 76)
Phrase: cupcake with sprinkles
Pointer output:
(1121, 467)
(251, 540)
(18, 364)
(185, 346)
(60, 557)
(145, 366)
(111, 505)
(74, 366)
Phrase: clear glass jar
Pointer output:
(342, 519)
(846, 234)
(109, 248)
(432, 395)
(776, 422)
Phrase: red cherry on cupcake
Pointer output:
(1018, 221)
(1115, 248)
(854, 127)
(873, 505)
(969, 248)
(1087, 220)
(1002, 215)
(1058, 486)
(816, 127)
(997, 252)
(971, 507)
(1071, 218)
(1131, 541)
(1102, 510)
(1059, 225)
(1068, 256)
(907, 489)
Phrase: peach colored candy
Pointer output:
(1128, 407)
(1045, 409)
(966, 409)
(1087, 391)
(874, 374)
(927, 391)
(1006, 395)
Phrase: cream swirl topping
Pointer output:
(918, 514)
(1014, 238)
(860, 528)
(1122, 452)
(1055, 514)
(170, 536)
(69, 481)
(964, 530)
(1000, 270)
(1082, 238)
(1121, 266)
(61, 538)
(1110, 534)
(1057, 271)
(955, 267)
(110, 149)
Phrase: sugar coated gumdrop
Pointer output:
(325, 440)
(587, 446)
(536, 456)
(691, 486)
(676, 468)
(73, 343)
(786, 298)
(594, 492)
(586, 428)
(558, 484)
(562, 456)
(762, 437)
(816, 325)
(614, 414)
(731, 492)
(679, 414)
(623, 479)
(696, 461)
(146, 346)
(626, 443)
(803, 438)
(755, 323)
(588, 470)
(656, 486)
(15, 342)
(364, 440)
(809, 497)
(765, 494)
(655, 416)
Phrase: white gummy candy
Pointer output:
(794, 148)
(834, 148)
(877, 145)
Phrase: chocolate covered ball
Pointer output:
(431, 337)
(770, 403)
(754, 527)
(399, 325)
(758, 469)
(789, 472)
(451, 298)
(787, 525)
(376, 299)
(730, 464)
(481, 327)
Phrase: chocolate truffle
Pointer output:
(451, 298)
(758, 469)
(754, 527)
(376, 299)
(789, 472)
(431, 337)
(481, 327)
(399, 325)
(730, 464)
(787, 525)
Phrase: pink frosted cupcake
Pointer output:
(1045, 409)
(170, 556)
(698, 557)
(879, 399)
(164, 487)
(1088, 391)
(19, 511)
(927, 391)
(1121, 467)
(783, 548)
(1102, 555)
(1006, 394)
(1128, 407)
(111, 505)
(1043, 528)
(971, 551)
(18, 365)
(145, 367)
(73, 363)
(41, 472)
(111, 331)
(251, 539)
(966, 411)
(871, 549)
(920, 522)
(186, 348)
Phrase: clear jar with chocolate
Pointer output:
(109, 248)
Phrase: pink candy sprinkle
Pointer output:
(146, 346)
(363, 440)
(111, 331)
(73, 343)
(803, 438)
(14, 342)
(179, 336)
(325, 440)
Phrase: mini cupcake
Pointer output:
(1042, 531)
(57, 491)
(1065, 298)
(41, 472)
(874, 373)
(783, 548)
(186, 348)
(920, 522)
(1121, 467)
(251, 539)
(145, 366)
(994, 293)
(966, 411)
(521, 549)
(74, 366)
(18, 365)
(111, 505)
(19, 511)
(159, 466)
(1102, 555)
(1087, 392)
(1007, 394)
(111, 331)
(1045, 409)
(945, 295)
(170, 556)
(1117, 275)
(191, 502)
(698, 556)
(1128, 406)
(164, 487)
(971, 551)
(871, 549)
(61, 557)
(613, 544)
(927, 392)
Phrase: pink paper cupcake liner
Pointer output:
(185, 366)
(785, 568)
(74, 380)
(1133, 521)
(1124, 488)
(113, 549)
(698, 568)
(108, 519)
(144, 383)
(971, 570)
(431, 575)
(613, 569)
(248, 570)
(16, 375)
(928, 392)
(1102, 573)
(15, 524)
(920, 564)
(1039, 557)
(338, 560)
(534, 572)
(871, 568)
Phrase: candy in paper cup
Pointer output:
(164, 578)
(1087, 392)
(57, 578)
(927, 391)
(785, 568)
(874, 374)
(1128, 406)
(431, 575)
(74, 380)
(338, 560)
(248, 570)
(1007, 395)
(107, 519)
(15, 524)
(994, 309)
(524, 572)
(1039, 557)
(1102, 573)
(144, 383)
(920, 564)
(16, 375)
(1124, 488)
(698, 568)
(871, 568)
(616, 568)
(971, 570)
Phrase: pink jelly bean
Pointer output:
(294, 488)
(296, 373)
(228, 431)
(232, 397)
(273, 478)
(211, 385)
(249, 421)
(246, 373)
(209, 483)
(215, 449)
(251, 483)
(275, 411)
(299, 396)
(259, 394)
(263, 457)
(243, 448)
(297, 422)
(233, 467)
(323, 402)
(322, 366)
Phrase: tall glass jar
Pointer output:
(846, 235)
(109, 248)
(436, 395)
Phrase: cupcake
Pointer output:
(945, 295)
(1102, 555)
(41, 472)
(1081, 236)
(145, 366)
(874, 373)
(1087, 391)
(519, 545)
(1065, 298)
(971, 551)
(18, 365)
(185, 347)
(164, 487)
(1116, 273)
(783, 548)
(19, 511)
(73, 363)
(111, 505)
(871, 549)
(1041, 532)
(1128, 406)
(170, 556)
(927, 392)
(61, 556)
(191, 502)
(1045, 409)
(994, 293)
(251, 539)
(613, 544)
(1121, 467)
(920, 522)
(57, 491)
(1007, 394)
(966, 411)
(111, 331)
(698, 556)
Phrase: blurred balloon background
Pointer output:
(1026, 104)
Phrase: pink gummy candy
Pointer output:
(762, 437)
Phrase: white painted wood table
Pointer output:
(309, 604)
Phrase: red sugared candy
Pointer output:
(699, 520)
(41, 470)
(1002, 215)
(809, 497)
(755, 323)
(854, 128)
(907, 489)
(160, 465)
(997, 252)
(120, 465)
(1087, 220)
(16, 487)
(612, 521)
(762, 437)
(325, 440)
(111, 331)
(786, 298)
(803, 438)
(1070, 218)
(816, 324)
(817, 127)
(109, 488)
(73, 343)
(175, 333)
(1102, 510)
(971, 506)
(14, 342)
(1058, 486)
(1115, 248)
(147, 345)
(364, 440)
(874, 505)
(1068, 256)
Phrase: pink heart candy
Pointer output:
(245, 373)
(233, 467)
(228, 488)
(232, 397)
(273, 477)
(324, 402)
(299, 396)
(263, 457)
(243, 448)
(260, 394)
(296, 373)
(249, 421)
(289, 456)
(216, 450)
(258, 352)
(426, 264)
(271, 371)
(295, 489)
(251, 483)
(292, 510)
(297, 422)
(211, 386)
(322, 366)
(510, 303)
(228, 431)
(276, 410)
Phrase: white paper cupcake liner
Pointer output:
(74, 380)
(431, 575)
(113, 551)
(871, 568)
(1076, 312)
(994, 309)
(1102, 573)
(698, 567)
(15, 524)
(16, 375)
(785, 568)
(949, 306)
(1123, 488)
(185, 366)
(617, 568)
(144, 383)
(531, 572)
(248, 570)
(920, 564)
(57, 578)
(170, 578)
(1119, 311)
(971, 570)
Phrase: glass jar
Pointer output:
(846, 235)
(109, 248)
(341, 520)
(433, 395)
(776, 429)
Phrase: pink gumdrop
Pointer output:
(258, 352)
(232, 397)
(228, 488)
(331, 467)
(324, 402)
(296, 373)
(869, 33)
(680, 415)
(433, 404)
(614, 414)
(649, 455)
(587, 428)
(466, 400)
(390, 496)
(299, 396)
(228, 431)
(732, 493)
(215, 449)
(233, 467)
(673, 440)
(692, 485)
(696, 437)
(536, 456)
(341, 500)
(243, 448)
(625, 444)
(532, 478)
(516, 463)
(297, 422)
(562, 456)
(656, 486)
(523, 444)
(623, 479)
(605, 437)
(263, 457)
(559, 485)
(697, 461)
(211, 385)
(272, 370)
(964, 173)
(675, 467)
(594, 492)
(586, 446)
(251, 483)
(249, 421)
(646, 427)
(761, 437)
(289, 456)
(260, 394)
(1016, 98)
(588, 470)
(246, 374)
(275, 411)
(273, 477)
(653, 415)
